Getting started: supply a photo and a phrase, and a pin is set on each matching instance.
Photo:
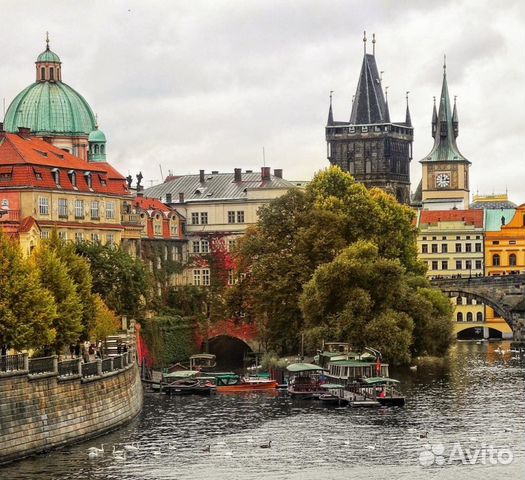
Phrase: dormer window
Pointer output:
(56, 176)
(72, 177)
(89, 180)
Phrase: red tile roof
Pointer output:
(471, 217)
(146, 203)
(29, 161)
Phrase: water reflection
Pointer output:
(473, 396)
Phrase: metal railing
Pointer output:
(90, 369)
(69, 367)
(43, 365)
(107, 365)
(117, 362)
(13, 363)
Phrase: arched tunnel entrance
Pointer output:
(230, 351)
(477, 333)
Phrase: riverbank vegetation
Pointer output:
(336, 261)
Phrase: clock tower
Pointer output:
(445, 182)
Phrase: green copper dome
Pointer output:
(97, 136)
(50, 109)
(47, 56)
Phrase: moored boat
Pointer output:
(333, 396)
(230, 382)
(187, 382)
(304, 381)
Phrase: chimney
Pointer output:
(237, 175)
(181, 197)
(47, 139)
(24, 132)
(201, 176)
(265, 173)
(168, 197)
(278, 172)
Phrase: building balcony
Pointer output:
(130, 218)
(9, 215)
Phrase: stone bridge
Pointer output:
(505, 294)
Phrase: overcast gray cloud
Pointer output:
(207, 84)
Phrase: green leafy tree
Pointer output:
(120, 279)
(54, 276)
(79, 271)
(27, 309)
(105, 322)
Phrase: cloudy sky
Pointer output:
(207, 84)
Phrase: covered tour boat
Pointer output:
(305, 380)
(187, 382)
(231, 382)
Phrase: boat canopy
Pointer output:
(332, 386)
(182, 374)
(354, 363)
(303, 367)
(381, 381)
(204, 355)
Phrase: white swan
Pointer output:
(156, 452)
(172, 446)
(133, 447)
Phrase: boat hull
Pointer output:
(248, 387)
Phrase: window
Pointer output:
(512, 242)
(201, 276)
(44, 234)
(495, 260)
(434, 248)
(195, 218)
(459, 317)
(51, 73)
(468, 247)
(444, 265)
(42, 73)
(458, 237)
(43, 205)
(231, 245)
(206, 276)
(95, 238)
(89, 180)
(79, 208)
(512, 260)
(424, 248)
(56, 176)
(62, 234)
(468, 264)
(477, 247)
(495, 242)
(444, 248)
(424, 238)
(458, 247)
(173, 227)
(240, 217)
(79, 236)
(196, 246)
(110, 210)
(434, 238)
(204, 218)
(478, 264)
(469, 317)
(479, 317)
(205, 246)
(62, 208)
(468, 237)
(95, 210)
(459, 301)
(72, 177)
(459, 264)
(231, 217)
(469, 300)
(434, 265)
(157, 227)
(110, 238)
(478, 237)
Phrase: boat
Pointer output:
(187, 382)
(333, 396)
(203, 362)
(230, 382)
(384, 390)
(304, 381)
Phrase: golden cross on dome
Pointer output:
(47, 40)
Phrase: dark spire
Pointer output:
(330, 113)
(434, 119)
(445, 148)
(455, 120)
(369, 104)
(374, 44)
(408, 120)
(387, 111)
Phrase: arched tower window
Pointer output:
(51, 73)
(495, 260)
(102, 149)
(479, 317)
(469, 317)
(459, 317)
(96, 149)
(42, 73)
(512, 259)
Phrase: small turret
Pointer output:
(455, 120)
(97, 146)
(434, 120)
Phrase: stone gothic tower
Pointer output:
(445, 180)
(376, 151)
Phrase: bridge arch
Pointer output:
(230, 351)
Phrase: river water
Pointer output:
(472, 404)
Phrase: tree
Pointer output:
(54, 276)
(121, 280)
(304, 229)
(105, 322)
(79, 272)
(27, 310)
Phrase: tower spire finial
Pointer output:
(406, 96)
(47, 40)
(364, 41)
(374, 44)
(444, 64)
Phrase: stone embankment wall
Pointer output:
(43, 410)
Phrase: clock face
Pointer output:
(443, 180)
